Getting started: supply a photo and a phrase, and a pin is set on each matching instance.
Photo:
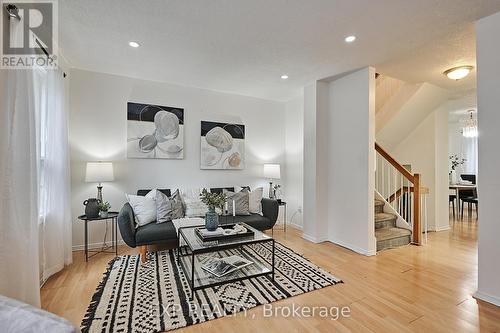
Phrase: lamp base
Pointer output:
(271, 191)
(99, 192)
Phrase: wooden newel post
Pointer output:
(417, 230)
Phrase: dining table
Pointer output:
(460, 187)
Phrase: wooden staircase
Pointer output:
(387, 233)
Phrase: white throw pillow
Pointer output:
(144, 208)
(192, 202)
(255, 201)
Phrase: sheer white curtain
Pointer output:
(19, 251)
(55, 214)
(469, 152)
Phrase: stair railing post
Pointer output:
(417, 233)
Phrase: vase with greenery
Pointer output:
(455, 162)
(104, 208)
(213, 201)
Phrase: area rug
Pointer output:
(155, 296)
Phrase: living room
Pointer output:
(169, 168)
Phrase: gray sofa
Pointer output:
(165, 234)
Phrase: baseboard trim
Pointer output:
(487, 298)
(296, 226)
(93, 246)
(353, 248)
(441, 229)
(314, 239)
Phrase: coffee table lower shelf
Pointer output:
(191, 264)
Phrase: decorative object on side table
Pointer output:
(92, 207)
(212, 200)
(99, 172)
(455, 162)
(104, 208)
(272, 172)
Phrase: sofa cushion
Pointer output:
(240, 200)
(254, 220)
(155, 233)
(144, 208)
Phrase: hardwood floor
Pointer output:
(417, 289)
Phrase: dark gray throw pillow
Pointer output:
(177, 205)
(163, 208)
(241, 202)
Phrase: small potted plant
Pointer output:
(104, 208)
(212, 200)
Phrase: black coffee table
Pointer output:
(193, 253)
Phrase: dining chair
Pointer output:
(472, 200)
(452, 199)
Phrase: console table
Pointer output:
(113, 216)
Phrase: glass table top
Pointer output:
(188, 235)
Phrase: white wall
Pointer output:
(98, 105)
(294, 145)
(426, 150)
(351, 138)
(488, 86)
(315, 162)
(339, 131)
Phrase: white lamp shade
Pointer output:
(98, 172)
(272, 171)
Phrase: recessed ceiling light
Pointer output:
(457, 73)
(284, 77)
(350, 39)
(134, 44)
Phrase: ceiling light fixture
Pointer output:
(284, 77)
(134, 44)
(457, 73)
(350, 39)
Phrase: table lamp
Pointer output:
(99, 172)
(271, 172)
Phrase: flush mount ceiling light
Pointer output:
(350, 39)
(134, 44)
(284, 77)
(457, 73)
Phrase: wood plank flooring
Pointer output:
(409, 289)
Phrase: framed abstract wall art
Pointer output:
(155, 131)
(222, 146)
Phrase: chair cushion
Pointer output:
(155, 233)
(254, 220)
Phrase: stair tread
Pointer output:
(379, 217)
(391, 233)
(379, 202)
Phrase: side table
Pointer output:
(113, 216)
(283, 204)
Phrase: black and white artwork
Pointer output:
(222, 146)
(155, 131)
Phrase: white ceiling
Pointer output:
(244, 46)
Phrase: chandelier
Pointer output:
(469, 126)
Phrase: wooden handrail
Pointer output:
(415, 180)
(407, 174)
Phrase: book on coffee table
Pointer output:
(223, 266)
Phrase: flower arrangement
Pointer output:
(213, 200)
(456, 161)
(104, 206)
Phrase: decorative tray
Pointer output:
(208, 238)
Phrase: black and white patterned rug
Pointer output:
(155, 296)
